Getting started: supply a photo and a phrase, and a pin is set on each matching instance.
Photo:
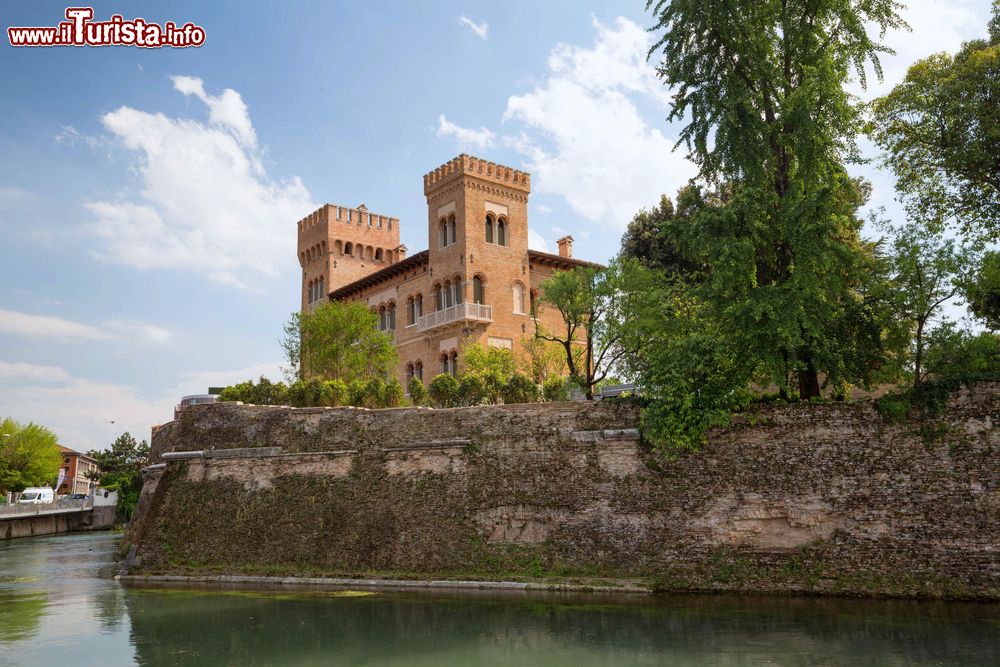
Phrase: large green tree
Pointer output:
(598, 308)
(119, 468)
(940, 133)
(29, 455)
(338, 341)
(925, 271)
(759, 87)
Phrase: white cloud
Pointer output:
(583, 136)
(79, 411)
(465, 138)
(90, 414)
(207, 204)
(537, 242)
(70, 136)
(481, 30)
(46, 326)
(543, 209)
(21, 371)
(129, 329)
(227, 111)
(935, 26)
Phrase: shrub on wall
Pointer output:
(520, 389)
(392, 394)
(555, 389)
(443, 391)
(472, 390)
(264, 392)
(417, 390)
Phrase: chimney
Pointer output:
(565, 246)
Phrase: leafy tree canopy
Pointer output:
(29, 455)
(338, 341)
(940, 130)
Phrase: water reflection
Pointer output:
(59, 604)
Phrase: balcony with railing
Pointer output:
(460, 312)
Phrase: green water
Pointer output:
(60, 606)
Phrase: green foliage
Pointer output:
(472, 390)
(555, 389)
(29, 455)
(598, 308)
(542, 359)
(924, 272)
(417, 391)
(264, 392)
(520, 389)
(317, 393)
(982, 290)
(338, 341)
(444, 391)
(392, 394)
(651, 238)
(493, 367)
(940, 132)
(120, 469)
(761, 90)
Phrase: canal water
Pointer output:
(59, 605)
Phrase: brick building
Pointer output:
(76, 467)
(476, 282)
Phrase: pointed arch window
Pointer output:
(451, 229)
(489, 229)
(391, 316)
(443, 227)
(478, 290)
(501, 232)
(518, 294)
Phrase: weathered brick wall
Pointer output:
(810, 498)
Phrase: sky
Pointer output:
(148, 197)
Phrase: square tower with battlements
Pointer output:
(476, 282)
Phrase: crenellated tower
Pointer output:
(478, 228)
(338, 245)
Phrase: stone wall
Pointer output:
(812, 498)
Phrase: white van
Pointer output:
(36, 495)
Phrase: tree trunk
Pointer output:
(808, 382)
(919, 356)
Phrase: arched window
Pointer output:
(444, 362)
(383, 319)
(518, 294)
(309, 291)
(418, 370)
(443, 225)
(411, 312)
(489, 229)
(451, 228)
(378, 254)
(418, 306)
(369, 253)
(438, 297)
(478, 290)
(501, 232)
(409, 373)
(391, 317)
(348, 248)
(456, 288)
(338, 248)
(454, 363)
(448, 294)
(319, 290)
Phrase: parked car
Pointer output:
(36, 495)
(76, 496)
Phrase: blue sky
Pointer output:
(148, 198)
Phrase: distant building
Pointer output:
(196, 399)
(75, 468)
(476, 282)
